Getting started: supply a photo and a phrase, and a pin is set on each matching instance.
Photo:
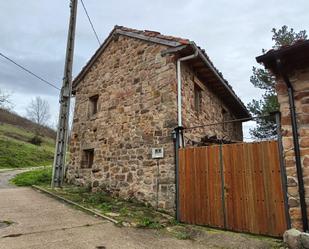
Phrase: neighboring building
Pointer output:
(290, 65)
(126, 105)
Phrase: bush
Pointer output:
(36, 140)
(34, 177)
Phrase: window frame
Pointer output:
(87, 159)
(197, 92)
(93, 105)
(225, 115)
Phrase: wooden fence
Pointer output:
(236, 187)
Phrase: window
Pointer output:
(197, 98)
(225, 117)
(87, 158)
(93, 105)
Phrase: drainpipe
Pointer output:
(179, 83)
(299, 170)
(178, 139)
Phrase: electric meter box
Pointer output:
(157, 153)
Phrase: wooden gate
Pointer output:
(236, 187)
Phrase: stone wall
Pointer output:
(300, 82)
(211, 111)
(137, 111)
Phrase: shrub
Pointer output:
(36, 140)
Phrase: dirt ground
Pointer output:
(38, 221)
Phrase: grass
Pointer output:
(40, 177)
(127, 213)
(182, 232)
(17, 152)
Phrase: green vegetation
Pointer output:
(35, 177)
(261, 78)
(7, 222)
(182, 232)
(127, 213)
(17, 151)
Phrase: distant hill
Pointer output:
(16, 147)
(11, 118)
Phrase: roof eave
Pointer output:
(222, 80)
(300, 49)
(181, 48)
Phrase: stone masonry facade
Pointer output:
(212, 110)
(300, 82)
(136, 93)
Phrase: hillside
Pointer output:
(16, 150)
(11, 118)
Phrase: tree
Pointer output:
(38, 111)
(263, 79)
(4, 99)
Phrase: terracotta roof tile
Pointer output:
(156, 34)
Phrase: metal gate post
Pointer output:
(177, 137)
(282, 169)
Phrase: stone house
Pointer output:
(290, 66)
(126, 111)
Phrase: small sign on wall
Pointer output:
(157, 153)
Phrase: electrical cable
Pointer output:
(30, 72)
(89, 19)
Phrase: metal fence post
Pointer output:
(177, 137)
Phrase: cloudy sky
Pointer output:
(33, 32)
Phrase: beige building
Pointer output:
(126, 111)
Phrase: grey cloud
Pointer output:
(232, 32)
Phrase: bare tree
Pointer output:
(38, 111)
(4, 99)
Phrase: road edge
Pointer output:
(72, 203)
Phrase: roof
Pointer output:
(202, 65)
(292, 57)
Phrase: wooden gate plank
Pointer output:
(203, 186)
(189, 171)
(198, 212)
(253, 188)
(208, 187)
(229, 186)
(182, 183)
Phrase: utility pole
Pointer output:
(65, 98)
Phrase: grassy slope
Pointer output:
(40, 176)
(17, 152)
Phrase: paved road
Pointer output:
(43, 222)
(6, 176)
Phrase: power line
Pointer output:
(28, 71)
(94, 31)
(228, 121)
